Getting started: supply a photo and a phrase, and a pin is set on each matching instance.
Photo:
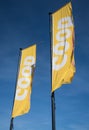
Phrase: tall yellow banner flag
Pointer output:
(24, 82)
(63, 65)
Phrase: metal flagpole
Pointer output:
(52, 94)
(11, 122)
(53, 110)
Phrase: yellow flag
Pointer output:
(24, 82)
(63, 65)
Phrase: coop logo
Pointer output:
(63, 33)
(25, 81)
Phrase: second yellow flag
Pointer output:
(24, 82)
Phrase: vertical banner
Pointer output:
(24, 81)
(63, 65)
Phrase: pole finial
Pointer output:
(50, 13)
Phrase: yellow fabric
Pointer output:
(24, 82)
(63, 68)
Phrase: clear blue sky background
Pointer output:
(22, 23)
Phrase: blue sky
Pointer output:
(22, 23)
